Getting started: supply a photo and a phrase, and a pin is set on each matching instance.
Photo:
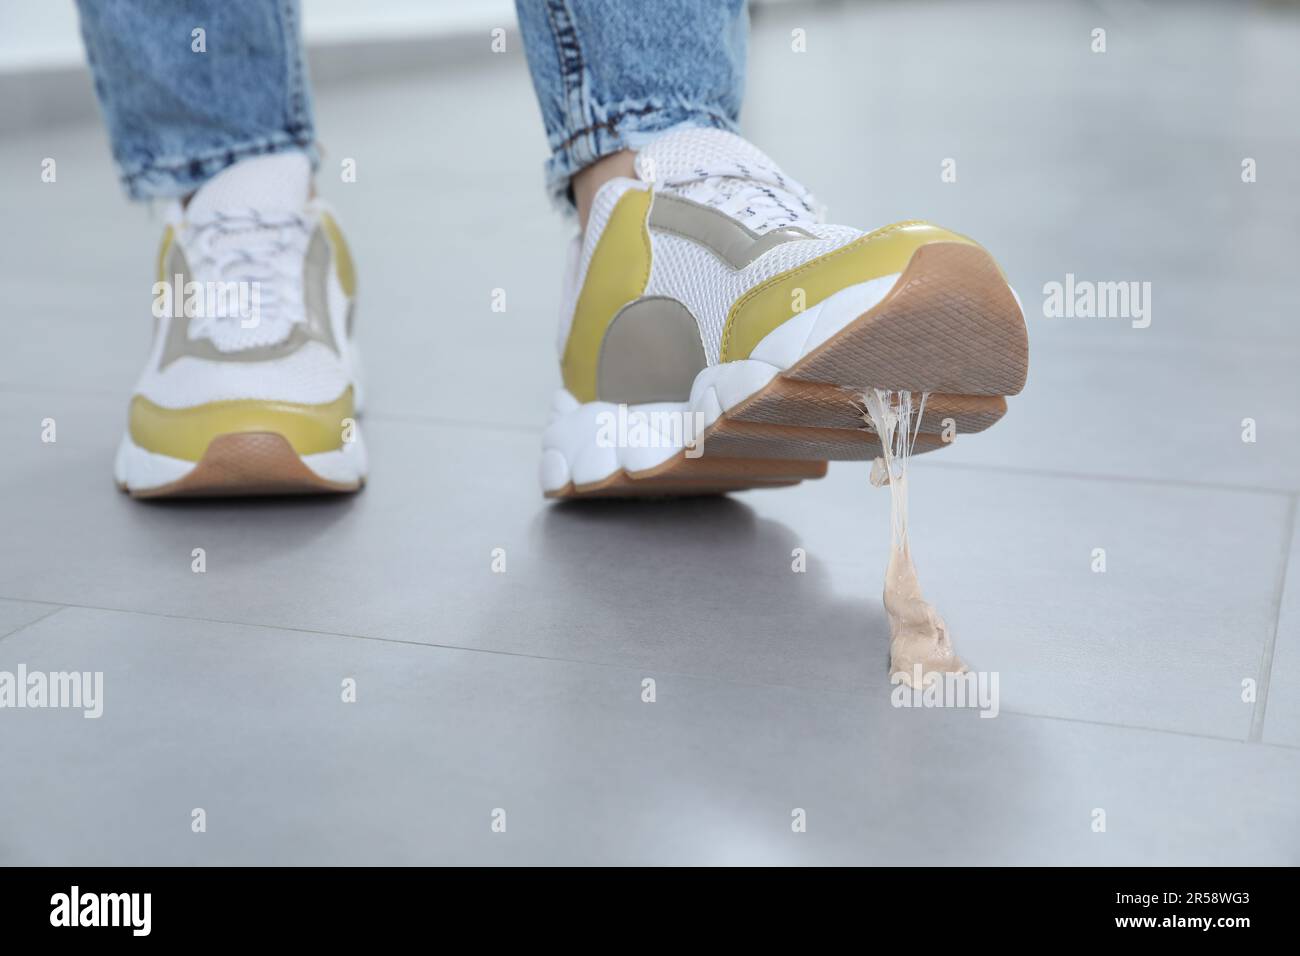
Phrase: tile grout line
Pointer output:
(1270, 646)
(340, 634)
(851, 694)
(23, 627)
(1136, 727)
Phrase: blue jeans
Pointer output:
(609, 75)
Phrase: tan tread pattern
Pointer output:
(950, 324)
(789, 401)
(244, 464)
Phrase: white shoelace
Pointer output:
(262, 249)
(760, 196)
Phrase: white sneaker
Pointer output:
(251, 386)
(715, 335)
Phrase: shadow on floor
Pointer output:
(710, 567)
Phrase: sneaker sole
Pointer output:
(950, 326)
(246, 464)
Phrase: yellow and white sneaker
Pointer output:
(715, 335)
(251, 386)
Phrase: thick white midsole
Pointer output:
(141, 470)
(576, 446)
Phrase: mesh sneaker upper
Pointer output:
(252, 223)
(720, 170)
(708, 287)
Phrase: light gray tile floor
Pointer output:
(1281, 720)
(258, 740)
(1128, 691)
(18, 614)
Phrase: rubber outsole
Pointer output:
(247, 464)
(950, 326)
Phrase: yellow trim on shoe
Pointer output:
(618, 273)
(185, 433)
(166, 244)
(342, 255)
(880, 253)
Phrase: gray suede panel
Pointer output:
(651, 353)
(731, 241)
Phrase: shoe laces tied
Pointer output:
(257, 247)
(760, 196)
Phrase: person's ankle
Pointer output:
(588, 180)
